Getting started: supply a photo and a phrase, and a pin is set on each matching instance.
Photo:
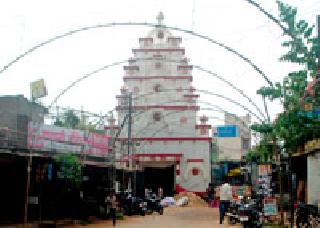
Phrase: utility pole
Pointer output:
(129, 136)
(113, 159)
(129, 127)
(29, 167)
(318, 28)
(29, 164)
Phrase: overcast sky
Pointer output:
(24, 24)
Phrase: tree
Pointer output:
(70, 169)
(69, 119)
(295, 125)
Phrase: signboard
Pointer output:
(33, 200)
(38, 89)
(242, 190)
(270, 207)
(227, 131)
(57, 139)
(263, 182)
(264, 170)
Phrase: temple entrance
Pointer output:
(155, 177)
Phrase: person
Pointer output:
(146, 193)
(112, 201)
(225, 198)
(209, 193)
(160, 192)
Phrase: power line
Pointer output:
(221, 78)
(71, 32)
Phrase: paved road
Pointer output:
(186, 217)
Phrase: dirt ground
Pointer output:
(173, 217)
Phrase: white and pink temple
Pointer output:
(165, 133)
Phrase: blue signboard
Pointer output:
(310, 114)
(227, 131)
(270, 209)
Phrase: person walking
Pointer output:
(225, 198)
(112, 200)
(209, 194)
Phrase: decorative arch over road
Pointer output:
(87, 28)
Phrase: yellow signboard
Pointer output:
(38, 89)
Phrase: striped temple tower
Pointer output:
(168, 145)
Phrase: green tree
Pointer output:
(69, 119)
(295, 125)
(70, 169)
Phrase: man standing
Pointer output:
(160, 192)
(225, 198)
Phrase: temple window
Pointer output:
(195, 172)
(160, 34)
(156, 116)
(157, 88)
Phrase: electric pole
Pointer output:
(318, 53)
(129, 138)
(129, 128)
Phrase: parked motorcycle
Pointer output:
(233, 212)
(153, 204)
(307, 216)
(250, 214)
(133, 205)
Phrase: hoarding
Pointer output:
(63, 140)
(227, 131)
(38, 89)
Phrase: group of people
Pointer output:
(148, 192)
(225, 196)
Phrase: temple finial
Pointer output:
(160, 18)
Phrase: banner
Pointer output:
(64, 140)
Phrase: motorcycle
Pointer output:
(307, 216)
(153, 204)
(133, 205)
(249, 214)
(233, 212)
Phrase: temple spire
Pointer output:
(160, 18)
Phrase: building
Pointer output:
(306, 162)
(15, 113)
(234, 138)
(230, 143)
(167, 144)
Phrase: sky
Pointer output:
(24, 24)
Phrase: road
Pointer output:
(173, 217)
